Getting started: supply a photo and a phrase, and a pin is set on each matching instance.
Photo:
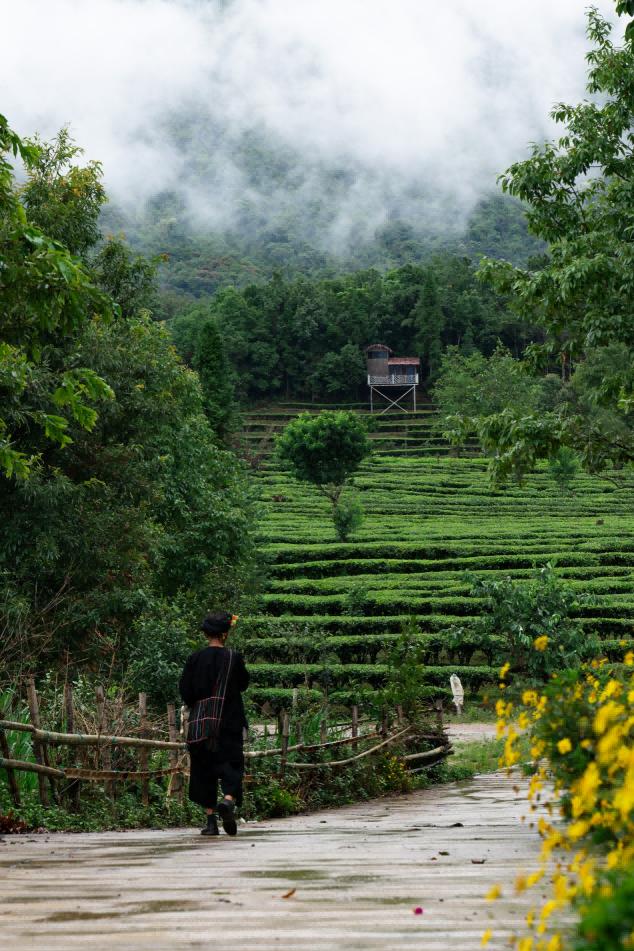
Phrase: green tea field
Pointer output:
(331, 609)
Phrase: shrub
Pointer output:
(607, 919)
(347, 516)
(356, 600)
(564, 467)
(581, 733)
(525, 614)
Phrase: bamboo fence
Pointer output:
(51, 773)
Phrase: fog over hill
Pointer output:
(313, 120)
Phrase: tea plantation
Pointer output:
(432, 520)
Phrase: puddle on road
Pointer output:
(141, 908)
(293, 874)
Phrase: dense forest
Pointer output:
(305, 338)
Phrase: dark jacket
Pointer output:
(199, 676)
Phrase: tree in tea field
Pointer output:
(580, 196)
(326, 451)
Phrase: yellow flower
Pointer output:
(564, 746)
(486, 937)
(525, 944)
(494, 893)
(610, 711)
(578, 829)
(629, 659)
(504, 670)
(612, 689)
(541, 643)
(534, 878)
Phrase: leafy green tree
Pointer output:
(216, 380)
(129, 516)
(128, 278)
(45, 294)
(579, 196)
(474, 385)
(61, 198)
(326, 450)
(143, 508)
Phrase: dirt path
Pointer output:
(358, 873)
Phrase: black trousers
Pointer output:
(207, 769)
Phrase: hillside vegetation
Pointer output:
(331, 610)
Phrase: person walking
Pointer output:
(212, 684)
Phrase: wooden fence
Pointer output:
(50, 772)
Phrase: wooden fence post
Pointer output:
(143, 752)
(74, 787)
(284, 741)
(105, 757)
(6, 752)
(400, 716)
(323, 730)
(176, 780)
(439, 715)
(354, 728)
(39, 750)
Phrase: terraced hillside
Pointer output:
(331, 609)
(396, 433)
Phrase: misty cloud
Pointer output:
(411, 97)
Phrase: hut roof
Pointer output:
(378, 346)
(404, 361)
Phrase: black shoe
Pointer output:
(227, 813)
(212, 826)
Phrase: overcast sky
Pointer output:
(449, 89)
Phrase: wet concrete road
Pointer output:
(358, 873)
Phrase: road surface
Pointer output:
(356, 875)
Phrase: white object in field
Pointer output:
(457, 691)
(184, 719)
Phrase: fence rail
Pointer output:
(50, 772)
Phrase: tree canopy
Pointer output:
(114, 515)
(579, 194)
(326, 449)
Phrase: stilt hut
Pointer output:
(399, 374)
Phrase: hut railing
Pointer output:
(393, 379)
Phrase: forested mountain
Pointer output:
(283, 212)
